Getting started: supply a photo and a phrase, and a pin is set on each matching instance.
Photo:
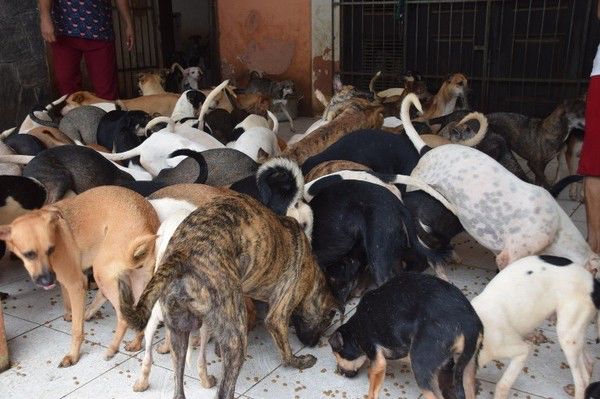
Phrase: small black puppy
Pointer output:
(120, 130)
(351, 213)
(417, 315)
(24, 144)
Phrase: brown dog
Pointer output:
(161, 104)
(150, 83)
(111, 229)
(357, 114)
(50, 136)
(444, 102)
(230, 247)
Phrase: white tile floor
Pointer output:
(38, 337)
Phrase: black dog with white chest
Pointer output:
(414, 315)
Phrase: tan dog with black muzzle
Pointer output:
(229, 248)
(110, 229)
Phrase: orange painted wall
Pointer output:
(272, 36)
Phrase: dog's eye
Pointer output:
(31, 255)
(50, 250)
(460, 83)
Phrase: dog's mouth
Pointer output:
(47, 287)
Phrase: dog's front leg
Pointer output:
(286, 112)
(66, 302)
(376, 375)
(277, 324)
(76, 296)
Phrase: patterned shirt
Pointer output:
(86, 19)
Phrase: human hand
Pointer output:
(130, 37)
(47, 28)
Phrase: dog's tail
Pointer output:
(483, 127)
(176, 65)
(160, 119)
(209, 99)
(372, 82)
(7, 133)
(313, 188)
(409, 129)
(19, 159)
(274, 120)
(419, 184)
(280, 184)
(199, 158)
(40, 121)
(122, 156)
(563, 183)
(137, 316)
(468, 357)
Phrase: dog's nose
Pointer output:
(347, 373)
(46, 280)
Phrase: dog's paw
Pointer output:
(569, 389)
(67, 317)
(208, 382)
(133, 346)
(140, 386)
(163, 348)
(109, 354)
(67, 361)
(91, 316)
(303, 362)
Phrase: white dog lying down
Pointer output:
(520, 298)
(500, 211)
(258, 138)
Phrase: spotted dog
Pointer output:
(503, 213)
(229, 248)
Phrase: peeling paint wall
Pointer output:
(324, 51)
(270, 36)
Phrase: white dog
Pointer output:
(500, 211)
(520, 298)
(258, 142)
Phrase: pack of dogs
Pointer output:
(189, 207)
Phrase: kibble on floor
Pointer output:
(38, 338)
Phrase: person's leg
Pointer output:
(591, 187)
(66, 60)
(589, 163)
(101, 65)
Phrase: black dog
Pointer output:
(417, 315)
(121, 131)
(358, 223)
(24, 144)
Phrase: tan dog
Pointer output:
(161, 104)
(150, 83)
(50, 136)
(444, 102)
(79, 98)
(358, 114)
(111, 229)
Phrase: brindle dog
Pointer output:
(227, 249)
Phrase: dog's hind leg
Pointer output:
(288, 116)
(179, 345)
(142, 382)
(427, 356)
(94, 307)
(376, 375)
(206, 380)
(517, 351)
(165, 347)
(573, 318)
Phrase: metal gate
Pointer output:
(519, 55)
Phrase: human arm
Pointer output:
(46, 24)
(125, 12)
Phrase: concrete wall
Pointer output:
(271, 36)
(24, 79)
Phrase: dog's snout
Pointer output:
(46, 280)
(347, 373)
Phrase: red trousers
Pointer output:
(589, 162)
(100, 62)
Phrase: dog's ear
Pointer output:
(5, 232)
(140, 248)
(52, 215)
(261, 156)
(78, 97)
(336, 341)
(337, 83)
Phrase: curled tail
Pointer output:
(483, 127)
(409, 129)
(372, 82)
(207, 103)
(199, 158)
(160, 119)
(421, 185)
(564, 182)
(313, 188)
(137, 316)
(280, 184)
